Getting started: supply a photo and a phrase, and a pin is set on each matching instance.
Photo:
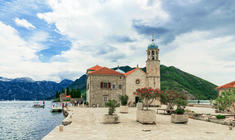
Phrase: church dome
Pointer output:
(119, 70)
(153, 46)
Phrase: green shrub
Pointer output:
(179, 111)
(124, 99)
(180, 103)
(220, 116)
(112, 104)
(86, 103)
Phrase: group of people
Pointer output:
(76, 103)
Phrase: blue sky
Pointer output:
(14, 9)
(57, 39)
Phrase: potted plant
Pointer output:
(147, 96)
(178, 115)
(111, 118)
(124, 101)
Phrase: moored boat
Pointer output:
(38, 106)
(56, 108)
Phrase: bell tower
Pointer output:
(153, 65)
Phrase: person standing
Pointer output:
(198, 101)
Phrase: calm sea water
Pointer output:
(20, 121)
(201, 101)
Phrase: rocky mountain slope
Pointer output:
(27, 89)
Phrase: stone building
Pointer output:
(104, 83)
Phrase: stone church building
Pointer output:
(104, 83)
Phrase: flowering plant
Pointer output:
(172, 98)
(148, 95)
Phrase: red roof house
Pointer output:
(129, 72)
(96, 67)
(105, 71)
(228, 85)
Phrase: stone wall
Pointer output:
(153, 73)
(131, 84)
(226, 89)
(96, 94)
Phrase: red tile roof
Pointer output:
(129, 72)
(229, 85)
(105, 71)
(68, 96)
(96, 67)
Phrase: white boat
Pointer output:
(56, 108)
(38, 106)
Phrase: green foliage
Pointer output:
(57, 95)
(175, 79)
(179, 111)
(124, 99)
(62, 90)
(83, 94)
(220, 116)
(75, 93)
(225, 100)
(86, 103)
(178, 80)
(180, 103)
(124, 68)
(111, 104)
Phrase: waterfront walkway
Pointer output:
(87, 125)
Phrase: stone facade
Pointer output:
(137, 79)
(104, 84)
(153, 68)
(225, 90)
(97, 95)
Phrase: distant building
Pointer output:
(64, 96)
(227, 87)
(104, 83)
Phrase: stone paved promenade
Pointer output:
(87, 125)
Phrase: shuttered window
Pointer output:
(105, 85)
(101, 85)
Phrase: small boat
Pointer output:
(56, 108)
(38, 106)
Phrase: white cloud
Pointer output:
(90, 24)
(24, 23)
(202, 55)
(18, 57)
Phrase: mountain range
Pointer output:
(27, 89)
(172, 78)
